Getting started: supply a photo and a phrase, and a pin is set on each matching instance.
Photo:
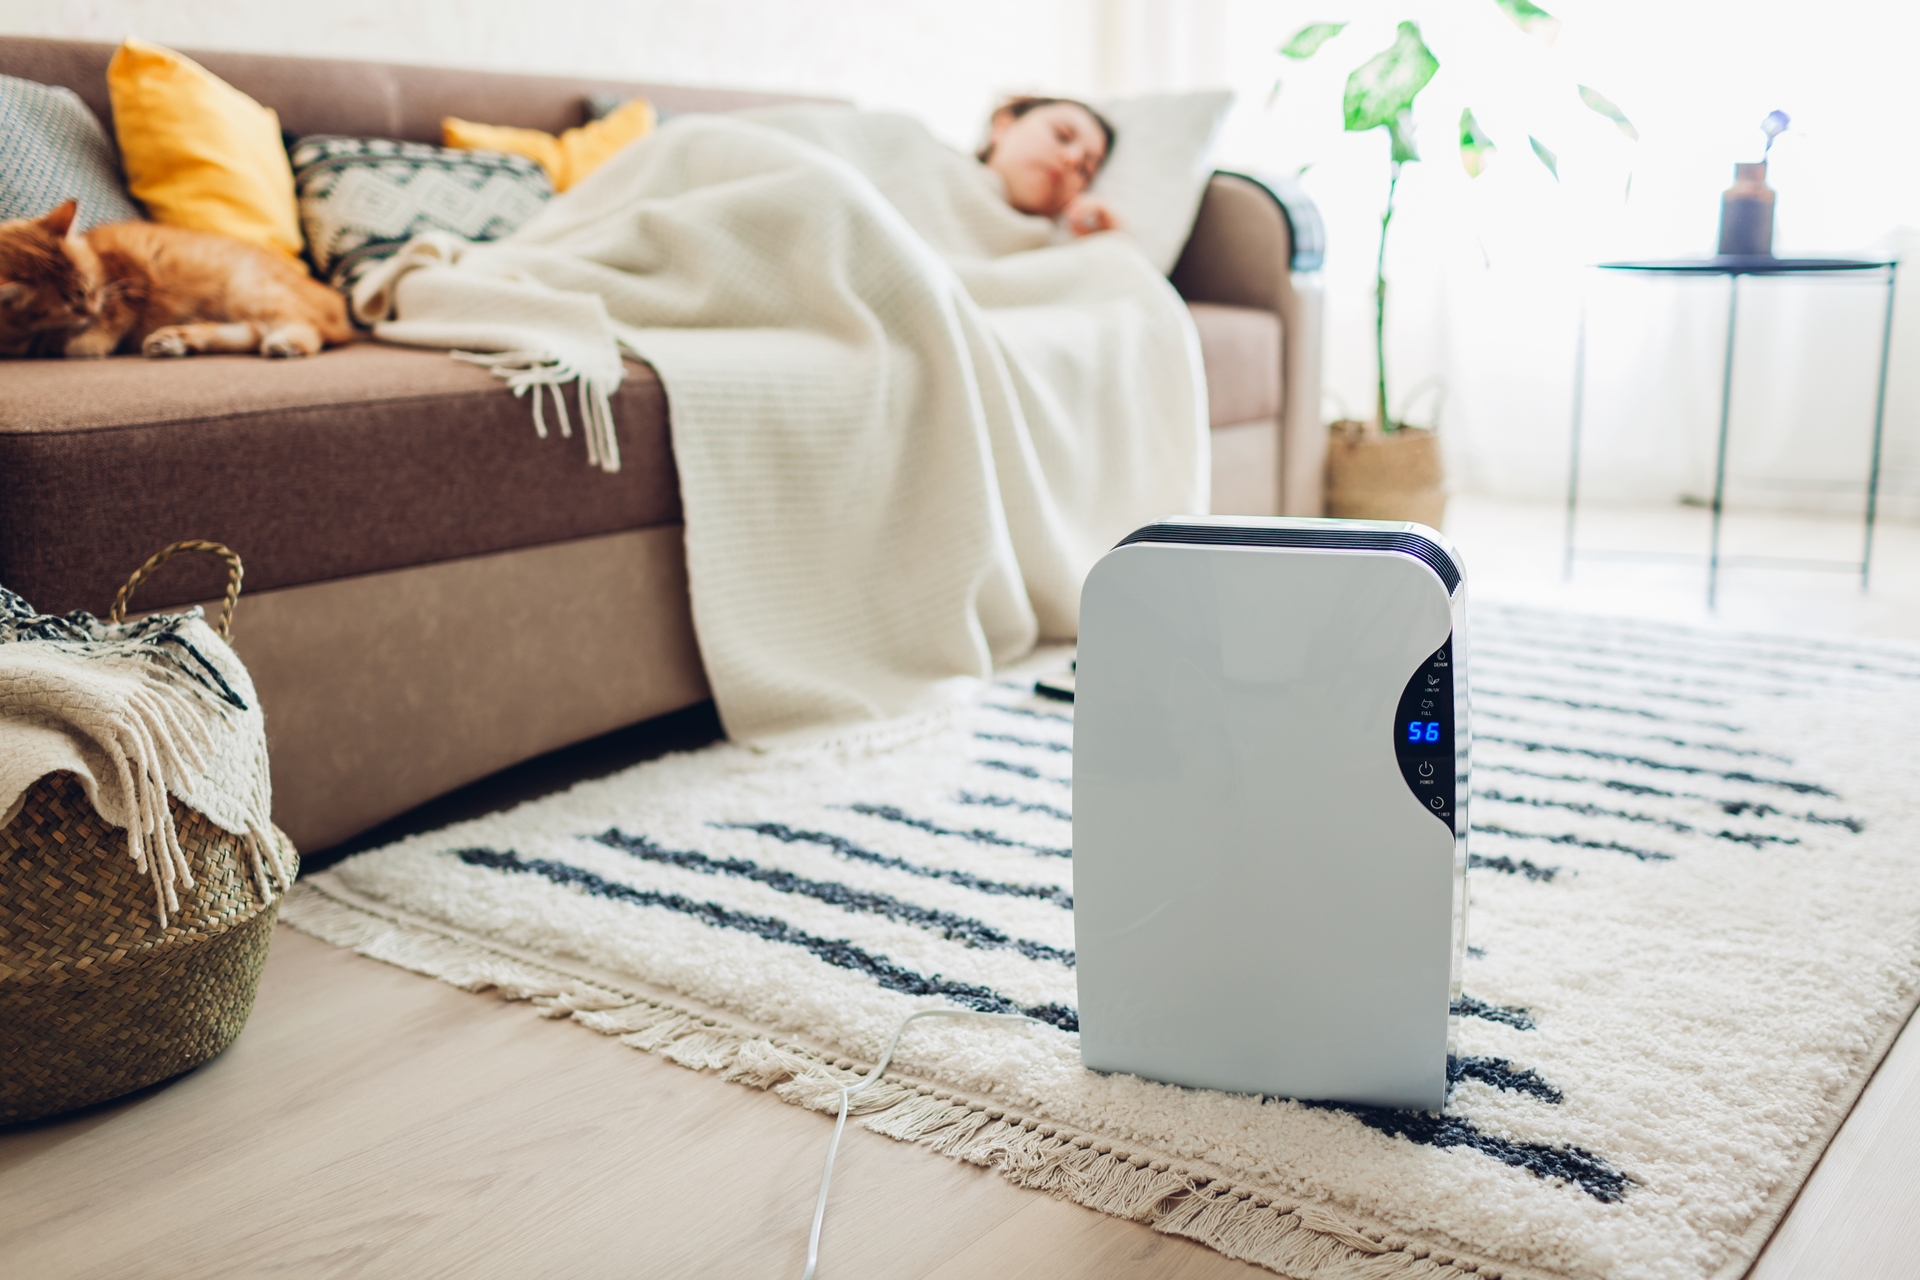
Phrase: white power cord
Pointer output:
(846, 1098)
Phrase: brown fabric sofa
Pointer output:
(433, 593)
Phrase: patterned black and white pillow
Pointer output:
(361, 199)
(53, 148)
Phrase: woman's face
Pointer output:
(1047, 156)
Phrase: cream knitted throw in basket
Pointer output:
(138, 711)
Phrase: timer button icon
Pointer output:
(1437, 802)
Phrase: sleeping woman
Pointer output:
(1045, 153)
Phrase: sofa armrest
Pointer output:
(1259, 242)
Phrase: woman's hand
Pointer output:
(1086, 214)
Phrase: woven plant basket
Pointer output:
(96, 998)
(1377, 476)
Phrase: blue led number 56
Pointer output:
(1423, 731)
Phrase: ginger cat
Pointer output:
(165, 291)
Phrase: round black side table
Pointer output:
(1733, 268)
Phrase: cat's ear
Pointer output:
(14, 295)
(60, 219)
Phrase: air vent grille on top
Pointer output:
(1423, 549)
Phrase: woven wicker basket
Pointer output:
(96, 999)
(1376, 476)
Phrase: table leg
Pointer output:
(1879, 421)
(1573, 457)
(1720, 459)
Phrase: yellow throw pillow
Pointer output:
(198, 152)
(568, 158)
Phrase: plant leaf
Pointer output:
(1385, 85)
(1546, 155)
(1400, 129)
(1532, 19)
(1599, 103)
(1307, 40)
(1476, 148)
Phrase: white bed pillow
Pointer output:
(1160, 165)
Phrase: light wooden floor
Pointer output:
(374, 1123)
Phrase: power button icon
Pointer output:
(1426, 769)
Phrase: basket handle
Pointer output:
(119, 611)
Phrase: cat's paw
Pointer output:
(164, 345)
(283, 346)
(89, 345)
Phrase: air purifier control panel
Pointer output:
(1423, 734)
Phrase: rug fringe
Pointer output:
(1302, 1240)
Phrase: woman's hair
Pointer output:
(1014, 108)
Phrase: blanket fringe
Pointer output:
(153, 749)
(541, 372)
(1299, 1239)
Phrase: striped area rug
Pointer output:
(1695, 930)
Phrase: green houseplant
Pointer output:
(1384, 468)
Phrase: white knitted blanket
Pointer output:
(139, 711)
(906, 424)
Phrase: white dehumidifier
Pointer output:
(1269, 807)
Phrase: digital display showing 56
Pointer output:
(1423, 734)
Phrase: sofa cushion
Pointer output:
(361, 199)
(55, 149)
(1156, 174)
(362, 458)
(571, 155)
(198, 152)
(1241, 348)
